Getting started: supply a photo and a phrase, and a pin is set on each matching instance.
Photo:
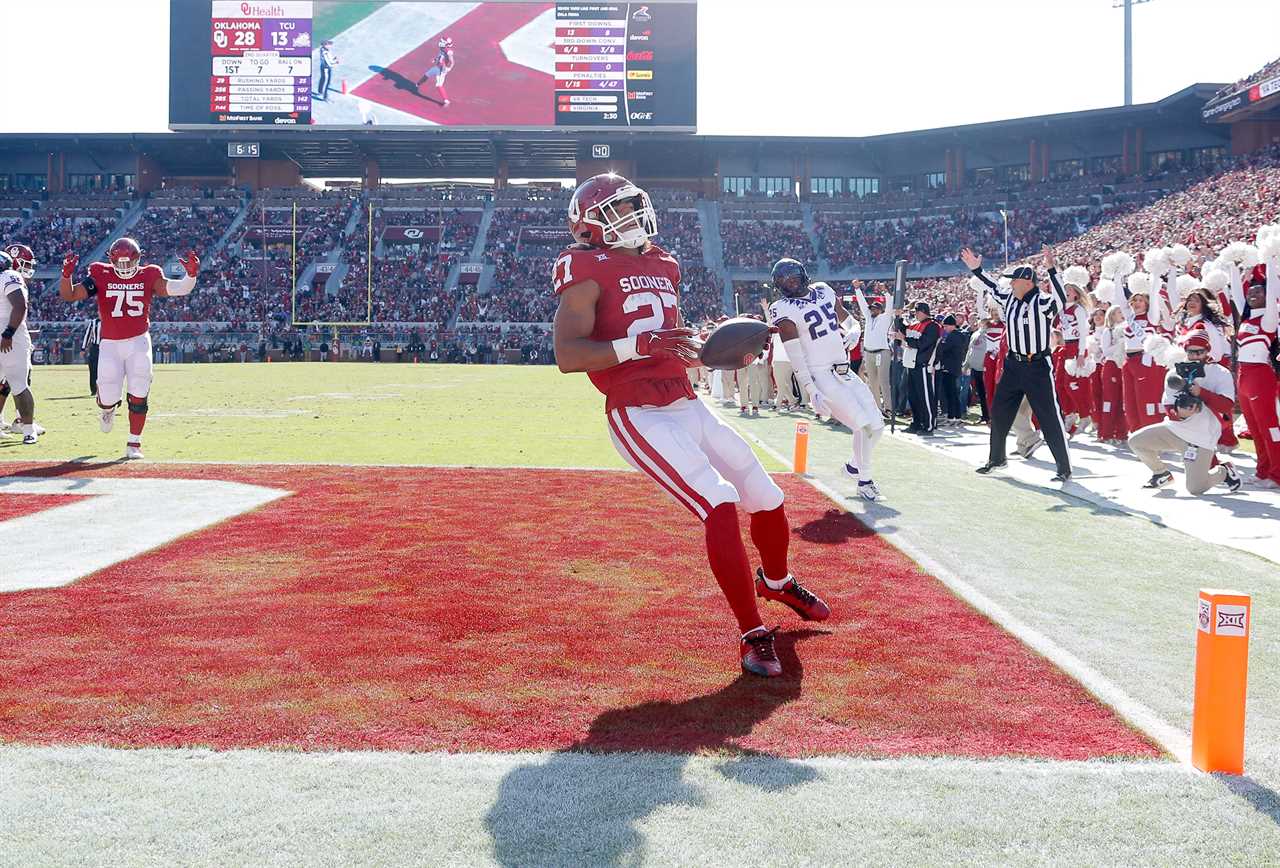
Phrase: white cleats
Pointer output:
(868, 491)
(29, 438)
(133, 450)
(107, 420)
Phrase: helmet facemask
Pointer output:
(25, 267)
(125, 267)
(631, 229)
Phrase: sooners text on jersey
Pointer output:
(637, 294)
(124, 304)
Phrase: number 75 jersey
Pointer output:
(814, 316)
(124, 304)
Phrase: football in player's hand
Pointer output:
(735, 343)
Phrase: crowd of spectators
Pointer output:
(680, 233)
(756, 244)
(929, 240)
(1271, 70)
(166, 232)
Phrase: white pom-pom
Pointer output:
(1154, 344)
(977, 285)
(1105, 291)
(1269, 248)
(1076, 275)
(1265, 232)
(1186, 284)
(1117, 265)
(1242, 254)
(1172, 356)
(1216, 280)
(1179, 255)
(1155, 262)
(1140, 283)
(1005, 284)
(1070, 367)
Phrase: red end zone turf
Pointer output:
(462, 610)
(484, 87)
(14, 505)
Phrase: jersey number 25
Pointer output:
(818, 326)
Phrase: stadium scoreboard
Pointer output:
(514, 64)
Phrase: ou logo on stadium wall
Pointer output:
(118, 519)
(413, 233)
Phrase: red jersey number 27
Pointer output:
(561, 273)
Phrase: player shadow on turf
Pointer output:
(583, 804)
(1261, 798)
(834, 528)
(64, 468)
(400, 82)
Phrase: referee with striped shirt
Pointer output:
(1029, 315)
(90, 343)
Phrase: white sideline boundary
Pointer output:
(145, 462)
(1172, 739)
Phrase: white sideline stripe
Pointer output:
(1172, 739)
(230, 463)
(362, 758)
(54, 547)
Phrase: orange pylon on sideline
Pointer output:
(344, 85)
(1222, 668)
(800, 460)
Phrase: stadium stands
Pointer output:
(420, 233)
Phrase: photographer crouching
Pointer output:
(1196, 392)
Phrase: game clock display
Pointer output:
(491, 65)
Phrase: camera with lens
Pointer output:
(1179, 380)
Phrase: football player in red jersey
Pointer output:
(124, 288)
(440, 69)
(618, 321)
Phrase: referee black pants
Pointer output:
(1034, 380)
(921, 398)
(93, 369)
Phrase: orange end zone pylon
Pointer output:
(1222, 666)
(801, 458)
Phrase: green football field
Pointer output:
(345, 413)
(1107, 597)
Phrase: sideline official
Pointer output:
(89, 343)
(1028, 367)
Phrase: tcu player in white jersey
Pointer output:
(808, 317)
(17, 265)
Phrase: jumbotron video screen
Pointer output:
(488, 65)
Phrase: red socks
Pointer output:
(772, 534)
(136, 421)
(728, 557)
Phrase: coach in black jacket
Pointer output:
(951, 355)
(921, 338)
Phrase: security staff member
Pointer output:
(92, 337)
(1028, 367)
(328, 60)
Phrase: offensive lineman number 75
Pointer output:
(126, 298)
